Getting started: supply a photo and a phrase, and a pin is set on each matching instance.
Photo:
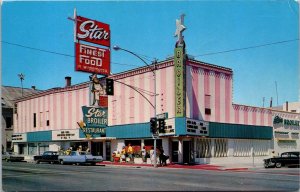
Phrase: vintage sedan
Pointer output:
(48, 156)
(11, 156)
(79, 157)
(285, 159)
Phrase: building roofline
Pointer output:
(52, 91)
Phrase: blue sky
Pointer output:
(148, 28)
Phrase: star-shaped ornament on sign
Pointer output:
(179, 28)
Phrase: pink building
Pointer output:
(211, 128)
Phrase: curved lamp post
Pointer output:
(117, 48)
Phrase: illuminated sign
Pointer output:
(179, 82)
(19, 137)
(92, 31)
(92, 59)
(65, 135)
(279, 120)
(95, 116)
(196, 127)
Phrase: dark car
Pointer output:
(48, 156)
(11, 156)
(285, 159)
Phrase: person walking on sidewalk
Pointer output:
(144, 154)
(130, 153)
(152, 155)
(123, 154)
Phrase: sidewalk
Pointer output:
(227, 167)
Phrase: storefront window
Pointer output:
(242, 148)
(32, 149)
(221, 148)
(136, 145)
(203, 148)
(43, 148)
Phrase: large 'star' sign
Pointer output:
(89, 58)
(92, 31)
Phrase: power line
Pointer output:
(205, 54)
(37, 49)
(245, 48)
(56, 53)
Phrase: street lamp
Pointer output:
(22, 77)
(117, 48)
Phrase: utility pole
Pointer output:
(276, 92)
(22, 77)
(154, 78)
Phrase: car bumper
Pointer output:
(269, 164)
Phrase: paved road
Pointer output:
(21, 176)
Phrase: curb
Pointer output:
(234, 169)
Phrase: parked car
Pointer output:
(48, 156)
(285, 159)
(79, 157)
(11, 156)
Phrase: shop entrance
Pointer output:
(175, 151)
(97, 148)
(21, 149)
(108, 150)
(186, 151)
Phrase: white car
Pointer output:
(79, 157)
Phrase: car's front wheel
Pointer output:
(61, 162)
(37, 162)
(278, 165)
(266, 165)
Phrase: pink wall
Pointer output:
(217, 82)
(63, 110)
(127, 106)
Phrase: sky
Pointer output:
(258, 40)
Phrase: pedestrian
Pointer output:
(123, 154)
(144, 154)
(68, 151)
(152, 155)
(161, 156)
(130, 153)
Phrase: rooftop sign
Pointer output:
(92, 31)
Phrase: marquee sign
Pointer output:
(279, 120)
(92, 59)
(92, 31)
(65, 135)
(179, 82)
(22, 137)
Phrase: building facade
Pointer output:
(8, 95)
(208, 129)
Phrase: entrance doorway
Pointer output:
(108, 150)
(97, 148)
(186, 151)
(21, 149)
(175, 151)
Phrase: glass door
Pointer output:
(175, 151)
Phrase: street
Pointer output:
(21, 176)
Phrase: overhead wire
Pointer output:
(57, 53)
(245, 48)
